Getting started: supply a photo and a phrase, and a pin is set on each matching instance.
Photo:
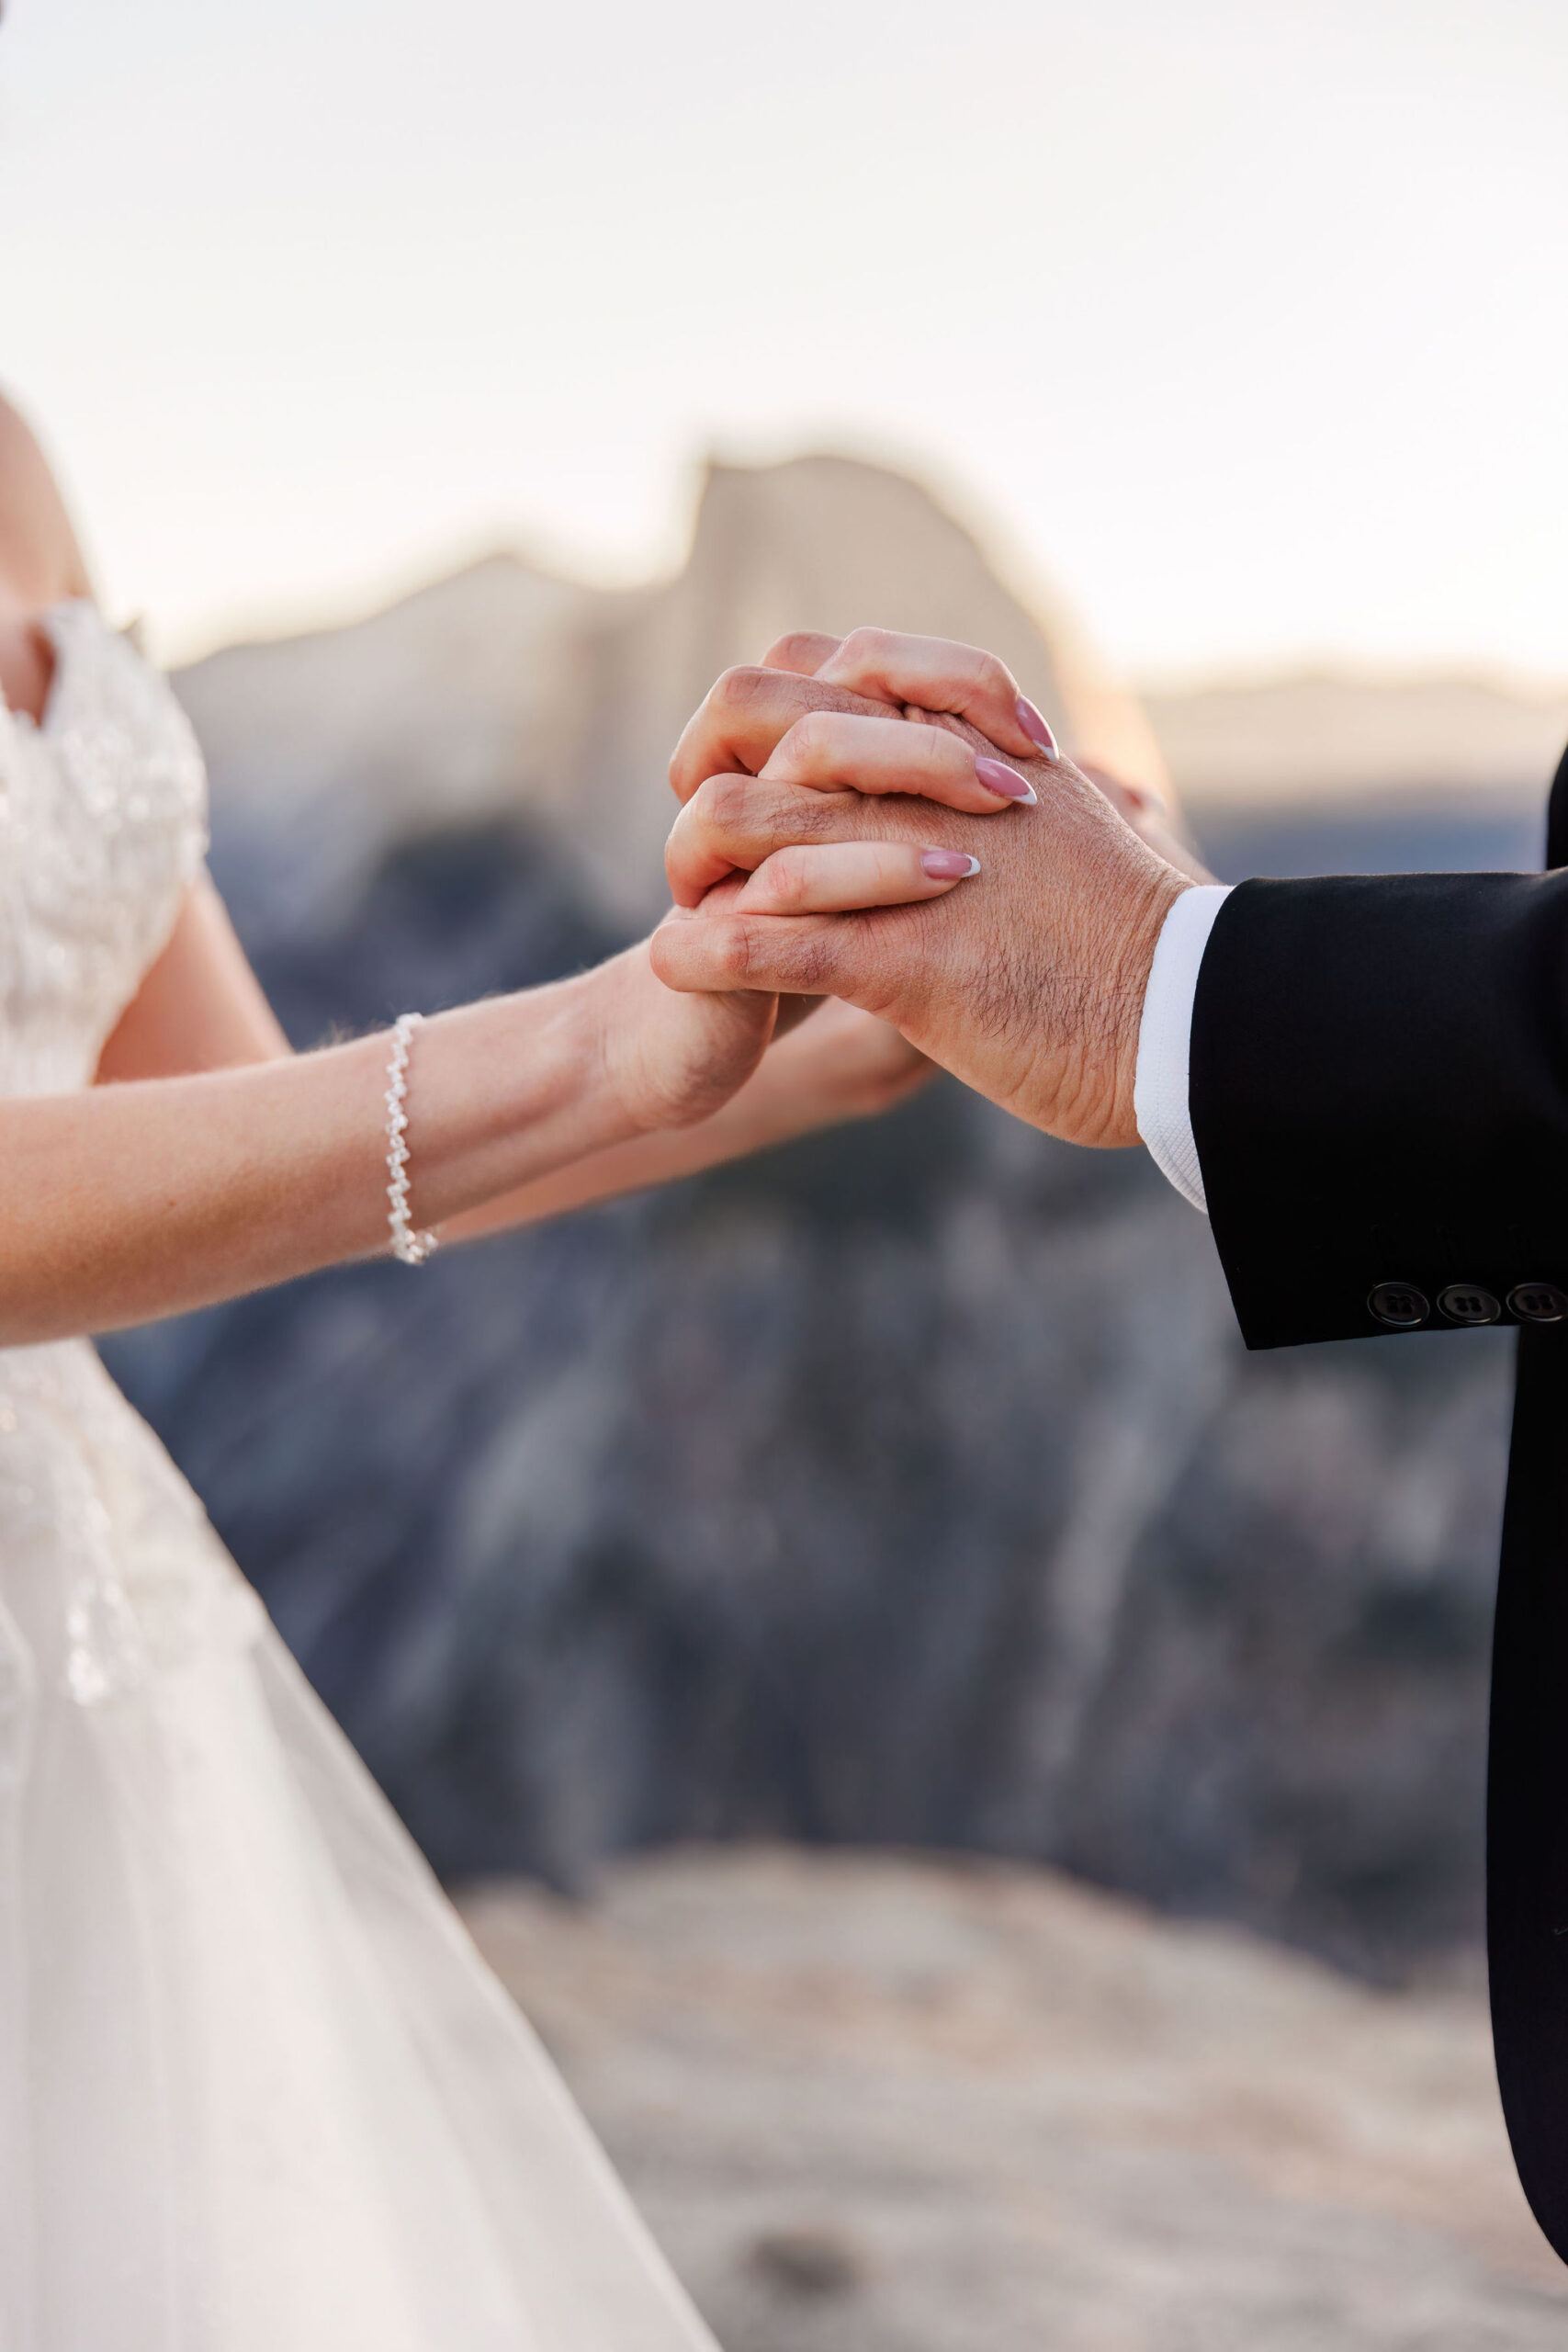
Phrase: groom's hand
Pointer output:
(1028, 983)
(931, 678)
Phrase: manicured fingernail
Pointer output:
(1034, 726)
(948, 865)
(1005, 782)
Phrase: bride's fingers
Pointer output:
(839, 878)
(742, 716)
(732, 823)
(936, 673)
(801, 650)
(921, 674)
(833, 749)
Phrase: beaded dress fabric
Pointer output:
(257, 2091)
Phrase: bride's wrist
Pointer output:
(605, 1029)
(613, 1008)
(506, 1090)
(583, 1024)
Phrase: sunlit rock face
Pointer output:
(506, 690)
(909, 1485)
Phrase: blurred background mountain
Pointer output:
(908, 1486)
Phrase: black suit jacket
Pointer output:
(1380, 1101)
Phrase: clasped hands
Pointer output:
(884, 819)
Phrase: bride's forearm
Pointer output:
(636, 1166)
(128, 1202)
(838, 1065)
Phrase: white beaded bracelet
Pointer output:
(412, 1248)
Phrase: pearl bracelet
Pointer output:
(412, 1248)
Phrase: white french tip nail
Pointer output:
(1006, 782)
(948, 865)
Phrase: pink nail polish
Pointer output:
(1005, 782)
(1034, 726)
(948, 865)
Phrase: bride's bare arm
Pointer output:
(244, 1165)
(840, 1065)
(201, 1008)
(210, 1161)
(134, 1200)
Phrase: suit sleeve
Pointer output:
(1379, 1091)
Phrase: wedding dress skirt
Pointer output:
(258, 2093)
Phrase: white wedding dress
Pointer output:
(257, 2091)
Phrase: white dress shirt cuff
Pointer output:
(1165, 1037)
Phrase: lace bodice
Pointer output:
(106, 1564)
(102, 828)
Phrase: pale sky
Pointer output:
(1246, 320)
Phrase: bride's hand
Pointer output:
(673, 1060)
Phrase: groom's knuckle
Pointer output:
(739, 689)
(723, 805)
(811, 959)
(733, 951)
(778, 954)
(784, 815)
(818, 815)
(758, 951)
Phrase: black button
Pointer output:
(1399, 1305)
(1462, 1303)
(1538, 1302)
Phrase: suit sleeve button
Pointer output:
(1538, 1302)
(1400, 1305)
(1463, 1302)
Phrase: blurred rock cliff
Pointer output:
(910, 1485)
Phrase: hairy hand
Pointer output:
(1028, 985)
(938, 682)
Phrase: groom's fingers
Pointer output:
(750, 709)
(811, 955)
(744, 715)
(841, 877)
(936, 673)
(830, 750)
(733, 823)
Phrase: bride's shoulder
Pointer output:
(40, 558)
